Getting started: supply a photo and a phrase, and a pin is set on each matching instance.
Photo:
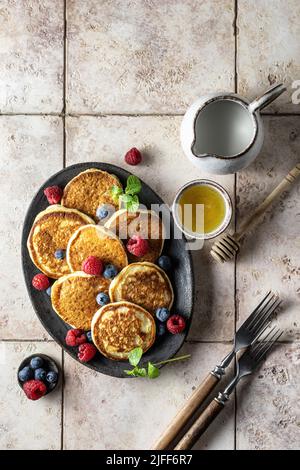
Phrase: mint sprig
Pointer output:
(133, 186)
(152, 371)
(129, 199)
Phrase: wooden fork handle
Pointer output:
(186, 412)
(200, 425)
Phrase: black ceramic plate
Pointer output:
(181, 276)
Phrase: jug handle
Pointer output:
(267, 98)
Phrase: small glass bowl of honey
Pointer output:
(202, 209)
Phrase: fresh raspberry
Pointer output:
(75, 337)
(176, 324)
(86, 352)
(137, 246)
(92, 265)
(40, 282)
(53, 194)
(133, 156)
(34, 389)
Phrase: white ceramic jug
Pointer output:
(222, 133)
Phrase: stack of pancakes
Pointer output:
(135, 293)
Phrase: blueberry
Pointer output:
(89, 336)
(48, 291)
(36, 362)
(102, 212)
(40, 374)
(52, 377)
(60, 254)
(102, 299)
(110, 271)
(162, 314)
(25, 374)
(164, 262)
(160, 329)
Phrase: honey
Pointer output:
(202, 219)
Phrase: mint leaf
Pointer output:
(153, 371)
(125, 199)
(133, 204)
(137, 372)
(134, 185)
(140, 372)
(130, 372)
(135, 356)
(116, 192)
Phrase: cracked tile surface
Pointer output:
(136, 49)
(269, 257)
(138, 402)
(27, 424)
(31, 52)
(268, 413)
(31, 150)
(269, 50)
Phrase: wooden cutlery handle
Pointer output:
(285, 183)
(186, 412)
(200, 425)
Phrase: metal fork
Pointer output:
(247, 363)
(249, 330)
(245, 335)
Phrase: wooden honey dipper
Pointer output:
(228, 245)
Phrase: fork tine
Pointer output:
(257, 344)
(256, 311)
(266, 318)
(267, 346)
(260, 321)
(263, 308)
(261, 332)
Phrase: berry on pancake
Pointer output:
(92, 265)
(137, 246)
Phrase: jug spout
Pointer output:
(196, 152)
(267, 98)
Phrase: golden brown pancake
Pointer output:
(90, 189)
(74, 298)
(144, 223)
(144, 284)
(95, 240)
(118, 328)
(51, 231)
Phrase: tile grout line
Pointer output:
(235, 210)
(64, 111)
(64, 165)
(108, 114)
(62, 410)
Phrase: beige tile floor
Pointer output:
(120, 74)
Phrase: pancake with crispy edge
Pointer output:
(95, 240)
(144, 284)
(90, 189)
(144, 223)
(51, 231)
(74, 298)
(118, 328)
